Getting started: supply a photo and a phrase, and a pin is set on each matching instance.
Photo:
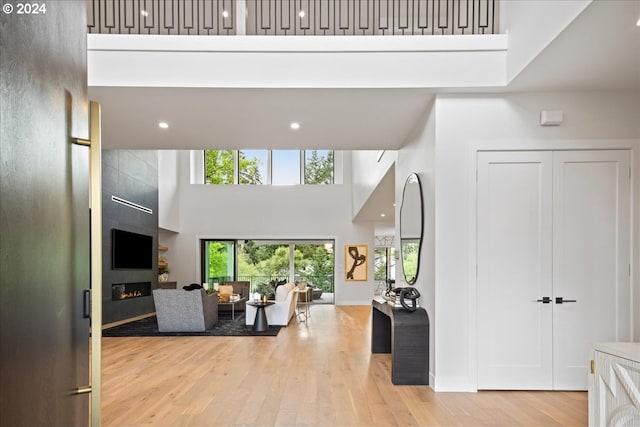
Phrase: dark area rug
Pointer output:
(148, 327)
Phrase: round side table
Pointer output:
(260, 323)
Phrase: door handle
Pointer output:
(86, 303)
(560, 300)
(82, 390)
(545, 300)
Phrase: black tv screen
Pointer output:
(131, 250)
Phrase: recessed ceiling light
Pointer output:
(301, 14)
(638, 22)
(294, 125)
(144, 13)
(225, 14)
(383, 215)
(163, 125)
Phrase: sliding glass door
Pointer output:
(218, 260)
(263, 261)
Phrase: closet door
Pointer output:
(591, 238)
(514, 270)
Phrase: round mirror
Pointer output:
(411, 227)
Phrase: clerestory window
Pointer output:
(275, 167)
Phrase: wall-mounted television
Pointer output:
(131, 251)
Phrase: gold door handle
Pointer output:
(83, 390)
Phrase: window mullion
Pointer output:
(303, 167)
(236, 167)
(269, 166)
(292, 263)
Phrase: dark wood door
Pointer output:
(44, 217)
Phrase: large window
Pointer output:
(252, 166)
(277, 167)
(384, 263)
(318, 167)
(218, 260)
(219, 167)
(285, 167)
(314, 263)
(262, 261)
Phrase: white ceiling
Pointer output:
(600, 50)
(349, 119)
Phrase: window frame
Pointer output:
(268, 180)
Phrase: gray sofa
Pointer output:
(178, 310)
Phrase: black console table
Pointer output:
(405, 335)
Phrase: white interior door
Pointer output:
(514, 270)
(590, 258)
(550, 224)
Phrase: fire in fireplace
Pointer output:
(122, 291)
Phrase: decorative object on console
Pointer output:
(355, 259)
(408, 298)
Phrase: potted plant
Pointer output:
(265, 290)
(209, 289)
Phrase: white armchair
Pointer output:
(279, 313)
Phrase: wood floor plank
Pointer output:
(317, 374)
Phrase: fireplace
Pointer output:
(124, 291)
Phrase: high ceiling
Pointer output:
(600, 50)
(349, 119)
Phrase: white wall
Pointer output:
(532, 25)
(366, 174)
(296, 61)
(418, 156)
(168, 198)
(268, 212)
(460, 125)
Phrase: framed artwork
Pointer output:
(355, 262)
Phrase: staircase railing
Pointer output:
(292, 17)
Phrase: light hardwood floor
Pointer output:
(322, 374)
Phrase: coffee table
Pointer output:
(260, 323)
(233, 306)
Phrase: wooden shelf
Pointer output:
(163, 248)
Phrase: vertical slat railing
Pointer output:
(292, 17)
(168, 17)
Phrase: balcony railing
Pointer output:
(324, 282)
(292, 17)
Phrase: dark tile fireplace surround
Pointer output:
(131, 175)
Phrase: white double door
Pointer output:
(553, 264)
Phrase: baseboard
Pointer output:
(131, 319)
(453, 384)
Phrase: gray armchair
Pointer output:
(178, 310)
(241, 288)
